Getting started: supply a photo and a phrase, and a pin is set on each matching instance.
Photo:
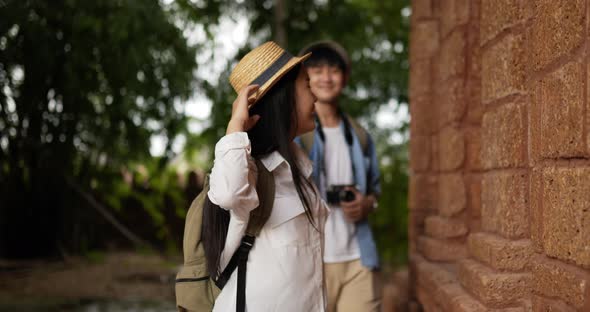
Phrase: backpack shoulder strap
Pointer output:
(307, 141)
(265, 187)
(360, 132)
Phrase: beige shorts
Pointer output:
(352, 287)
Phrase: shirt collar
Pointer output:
(273, 160)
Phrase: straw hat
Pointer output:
(264, 66)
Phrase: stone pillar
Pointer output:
(500, 155)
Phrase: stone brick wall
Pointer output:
(500, 155)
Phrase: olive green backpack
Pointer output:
(195, 289)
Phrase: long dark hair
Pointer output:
(273, 132)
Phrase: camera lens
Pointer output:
(346, 196)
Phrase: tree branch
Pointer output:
(108, 216)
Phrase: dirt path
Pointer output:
(134, 280)
(116, 282)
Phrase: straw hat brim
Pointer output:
(254, 98)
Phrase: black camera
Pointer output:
(338, 193)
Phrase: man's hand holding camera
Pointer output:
(360, 207)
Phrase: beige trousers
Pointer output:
(352, 287)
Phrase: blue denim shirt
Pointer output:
(366, 176)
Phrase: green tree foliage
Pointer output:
(83, 87)
(375, 33)
(390, 221)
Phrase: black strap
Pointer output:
(347, 131)
(240, 260)
(247, 242)
(347, 126)
(229, 269)
(347, 136)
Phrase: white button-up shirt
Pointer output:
(285, 267)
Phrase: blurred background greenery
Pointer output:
(100, 145)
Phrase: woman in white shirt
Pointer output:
(273, 106)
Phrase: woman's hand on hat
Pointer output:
(241, 120)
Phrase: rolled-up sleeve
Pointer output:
(233, 177)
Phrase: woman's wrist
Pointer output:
(234, 126)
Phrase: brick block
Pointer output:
(453, 13)
(416, 220)
(441, 227)
(416, 199)
(420, 78)
(565, 214)
(422, 112)
(450, 101)
(414, 307)
(503, 68)
(473, 147)
(556, 279)
(446, 295)
(475, 108)
(431, 276)
(421, 8)
(541, 304)
(504, 204)
(557, 114)
(536, 197)
(424, 39)
(474, 203)
(467, 303)
(423, 192)
(441, 250)
(434, 148)
(452, 195)
(427, 301)
(504, 133)
(452, 56)
(510, 309)
(500, 253)
(415, 228)
(557, 29)
(587, 105)
(498, 15)
(527, 305)
(451, 149)
(420, 152)
(492, 288)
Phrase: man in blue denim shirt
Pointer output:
(347, 175)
